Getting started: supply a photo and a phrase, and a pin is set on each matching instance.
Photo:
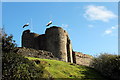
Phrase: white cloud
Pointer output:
(98, 13)
(111, 30)
(108, 31)
(90, 26)
(114, 27)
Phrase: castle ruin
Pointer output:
(55, 40)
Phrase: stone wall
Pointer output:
(30, 40)
(41, 42)
(55, 40)
(83, 59)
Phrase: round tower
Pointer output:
(57, 42)
(29, 39)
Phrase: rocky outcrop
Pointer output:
(29, 52)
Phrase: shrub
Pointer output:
(16, 67)
(108, 65)
(8, 43)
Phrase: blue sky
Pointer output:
(92, 26)
(60, 0)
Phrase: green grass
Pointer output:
(60, 69)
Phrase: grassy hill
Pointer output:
(60, 69)
(18, 67)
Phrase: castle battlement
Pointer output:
(55, 40)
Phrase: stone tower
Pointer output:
(55, 40)
(30, 40)
(59, 43)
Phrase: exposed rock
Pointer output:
(29, 52)
(36, 61)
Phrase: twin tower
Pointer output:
(55, 40)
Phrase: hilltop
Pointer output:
(31, 64)
(82, 59)
(30, 68)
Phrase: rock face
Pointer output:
(55, 40)
(29, 52)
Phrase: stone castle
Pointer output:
(55, 40)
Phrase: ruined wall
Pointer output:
(55, 40)
(42, 42)
(33, 40)
(69, 50)
(83, 59)
(29, 39)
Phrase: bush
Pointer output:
(108, 65)
(16, 67)
(8, 43)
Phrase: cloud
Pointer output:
(111, 31)
(108, 31)
(98, 13)
(90, 26)
(114, 27)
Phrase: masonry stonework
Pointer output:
(55, 40)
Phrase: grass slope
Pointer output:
(60, 69)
